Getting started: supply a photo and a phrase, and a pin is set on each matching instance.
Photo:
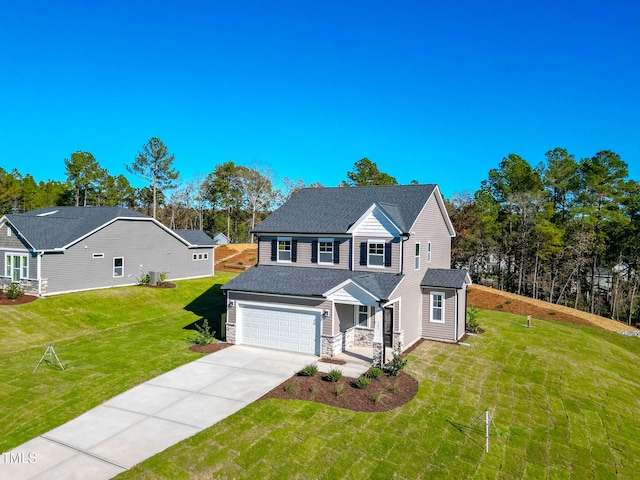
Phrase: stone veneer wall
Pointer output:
(331, 345)
(231, 333)
(28, 286)
(363, 337)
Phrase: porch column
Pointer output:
(378, 338)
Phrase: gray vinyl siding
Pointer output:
(440, 331)
(280, 301)
(430, 226)
(346, 317)
(304, 247)
(10, 242)
(145, 247)
(13, 244)
(396, 249)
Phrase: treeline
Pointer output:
(564, 231)
(231, 199)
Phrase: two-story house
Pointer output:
(351, 266)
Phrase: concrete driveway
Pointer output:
(151, 417)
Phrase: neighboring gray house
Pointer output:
(220, 239)
(351, 266)
(66, 249)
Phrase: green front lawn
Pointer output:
(109, 341)
(565, 398)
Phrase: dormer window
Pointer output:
(284, 249)
(375, 257)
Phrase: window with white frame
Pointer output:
(375, 257)
(16, 266)
(118, 267)
(325, 250)
(363, 316)
(437, 307)
(200, 256)
(428, 252)
(417, 261)
(284, 249)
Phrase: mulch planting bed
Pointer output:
(212, 347)
(18, 301)
(381, 395)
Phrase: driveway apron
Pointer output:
(153, 416)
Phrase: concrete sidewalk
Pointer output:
(153, 416)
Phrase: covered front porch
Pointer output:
(363, 331)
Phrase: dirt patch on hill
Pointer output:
(235, 257)
(491, 299)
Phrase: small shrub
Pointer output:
(290, 388)
(313, 389)
(162, 278)
(205, 335)
(397, 363)
(144, 280)
(472, 319)
(395, 388)
(334, 375)
(374, 373)
(552, 313)
(508, 302)
(309, 371)
(377, 397)
(362, 382)
(339, 390)
(14, 291)
(500, 305)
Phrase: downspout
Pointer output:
(405, 237)
(455, 311)
(39, 272)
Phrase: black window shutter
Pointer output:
(274, 250)
(387, 255)
(363, 253)
(336, 251)
(294, 250)
(314, 251)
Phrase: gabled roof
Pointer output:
(335, 210)
(57, 228)
(445, 278)
(197, 238)
(310, 282)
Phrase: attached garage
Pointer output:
(282, 328)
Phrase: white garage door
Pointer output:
(281, 328)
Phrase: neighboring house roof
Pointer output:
(445, 278)
(197, 238)
(335, 210)
(56, 228)
(310, 282)
(220, 239)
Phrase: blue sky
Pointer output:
(439, 92)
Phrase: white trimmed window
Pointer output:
(16, 266)
(375, 257)
(362, 319)
(118, 266)
(200, 256)
(417, 261)
(325, 250)
(284, 249)
(428, 252)
(437, 307)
